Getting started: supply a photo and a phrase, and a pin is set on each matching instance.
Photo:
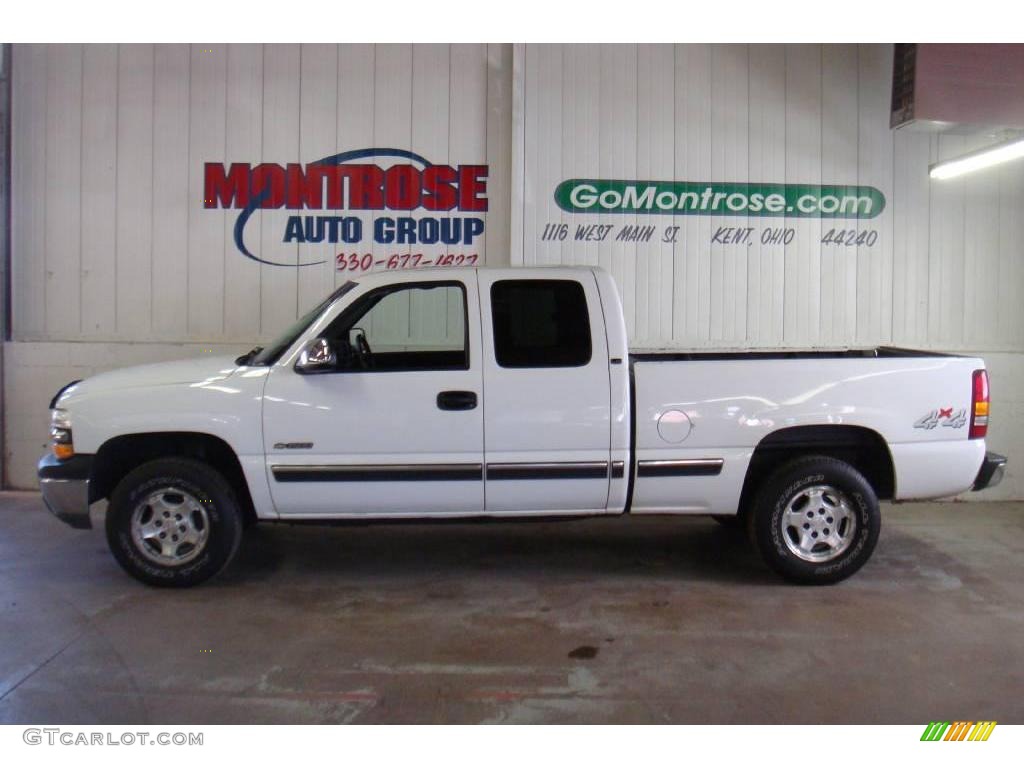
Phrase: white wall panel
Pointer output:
(981, 254)
(28, 189)
(945, 278)
(99, 194)
(63, 188)
(875, 168)
(172, 195)
(467, 102)
(840, 117)
(911, 237)
(502, 123)
(133, 276)
(206, 141)
(1009, 328)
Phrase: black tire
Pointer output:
(789, 491)
(208, 503)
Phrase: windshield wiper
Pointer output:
(248, 356)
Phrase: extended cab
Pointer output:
(465, 393)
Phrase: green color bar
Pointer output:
(934, 731)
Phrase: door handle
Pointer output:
(456, 400)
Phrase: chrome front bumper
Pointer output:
(65, 487)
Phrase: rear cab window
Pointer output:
(540, 324)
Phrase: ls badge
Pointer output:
(944, 417)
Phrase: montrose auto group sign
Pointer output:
(324, 199)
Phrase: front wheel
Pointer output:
(173, 522)
(815, 520)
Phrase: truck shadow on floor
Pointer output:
(692, 549)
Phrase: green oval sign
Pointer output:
(686, 198)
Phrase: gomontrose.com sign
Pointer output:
(719, 199)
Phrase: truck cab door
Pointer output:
(396, 428)
(547, 417)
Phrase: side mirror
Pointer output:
(317, 356)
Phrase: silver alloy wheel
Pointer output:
(818, 523)
(170, 527)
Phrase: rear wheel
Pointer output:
(815, 520)
(173, 522)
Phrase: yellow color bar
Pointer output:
(982, 730)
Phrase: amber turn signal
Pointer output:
(63, 450)
(61, 443)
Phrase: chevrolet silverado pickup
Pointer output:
(501, 393)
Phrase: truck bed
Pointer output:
(711, 408)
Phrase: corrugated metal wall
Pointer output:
(111, 237)
(946, 269)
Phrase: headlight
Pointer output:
(60, 434)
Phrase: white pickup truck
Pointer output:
(465, 393)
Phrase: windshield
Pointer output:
(269, 354)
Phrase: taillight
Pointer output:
(979, 405)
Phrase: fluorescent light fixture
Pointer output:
(981, 158)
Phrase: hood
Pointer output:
(201, 369)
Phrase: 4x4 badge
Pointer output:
(944, 417)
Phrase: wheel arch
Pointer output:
(120, 455)
(861, 447)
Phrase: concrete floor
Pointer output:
(627, 620)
